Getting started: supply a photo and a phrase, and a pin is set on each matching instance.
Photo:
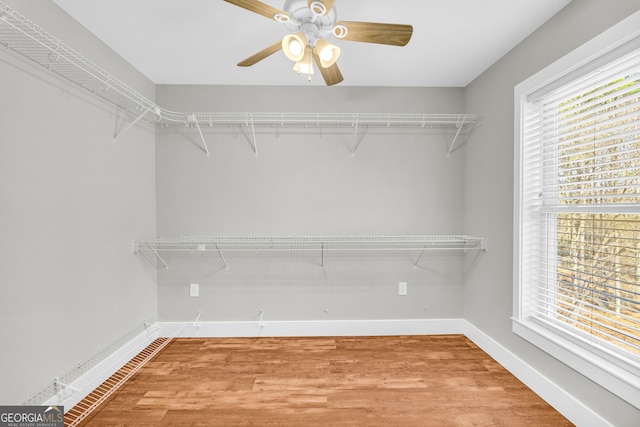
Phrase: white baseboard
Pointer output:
(574, 410)
(314, 328)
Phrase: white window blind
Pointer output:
(580, 210)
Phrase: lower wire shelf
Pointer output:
(152, 249)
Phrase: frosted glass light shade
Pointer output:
(293, 45)
(327, 52)
(305, 65)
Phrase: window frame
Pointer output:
(619, 378)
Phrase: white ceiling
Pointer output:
(201, 41)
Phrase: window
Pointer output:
(578, 215)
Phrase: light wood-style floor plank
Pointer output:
(443, 380)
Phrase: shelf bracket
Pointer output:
(355, 138)
(483, 245)
(60, 385)
(226, 266)
(322, 255)
(155, 252)
(459, 125)
(255, 141)
(130, 125)
(193, 119)
(415, 265)
(475, 259)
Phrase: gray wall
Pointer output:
(489, 189)
(70, 204)
(307, 183)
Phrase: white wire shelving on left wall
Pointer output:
(21, 35)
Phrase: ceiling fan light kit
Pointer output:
(309, 23)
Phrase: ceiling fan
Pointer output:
(309, 23)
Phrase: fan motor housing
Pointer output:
(304, 19)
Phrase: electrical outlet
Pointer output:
(194, 290)
(402, 288)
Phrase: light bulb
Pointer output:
(302, 67)
(326, 54)
(295, 47)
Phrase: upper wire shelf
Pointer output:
(26, 38)
(21, 35)
(316, 120)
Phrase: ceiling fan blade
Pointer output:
(371, 32)
(328, 4)
(259, 8)
(331, 75)
(254, 59)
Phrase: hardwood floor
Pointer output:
(372, 381)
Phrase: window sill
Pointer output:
(617, 380)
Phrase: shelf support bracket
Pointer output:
(459, 125)
(255, 141)
(226, 266)
(322, 255)
(474, 261)
(355, 138)
(152, 249)
(193, 119)
(59, 384)
(356, 144)
(415, 265)
(130, 125)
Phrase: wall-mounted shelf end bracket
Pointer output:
(481, 249)
(141, 247)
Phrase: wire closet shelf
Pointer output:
(311, 243)
(337, 245)
(24, 37)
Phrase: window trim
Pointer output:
(592, 365)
